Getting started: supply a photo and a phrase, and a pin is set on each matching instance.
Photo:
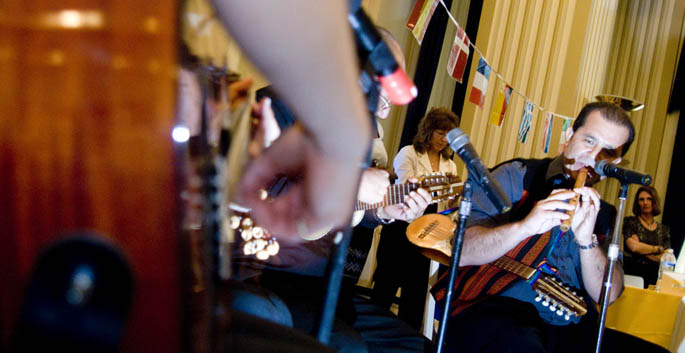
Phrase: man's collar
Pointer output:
(556, 171)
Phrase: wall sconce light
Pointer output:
(629, 105)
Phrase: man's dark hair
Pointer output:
(610, 112)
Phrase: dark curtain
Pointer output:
(429, 55)
(675, 191)
(427, 67)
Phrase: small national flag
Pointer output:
(420, 17)
(456, 65)
(525, 121)
(480, 83)
(415, 13)
(549, 120)
(562, 139)
(497, 115)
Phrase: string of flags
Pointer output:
(418, 22)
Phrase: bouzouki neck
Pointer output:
(515, 267)
(395, 195)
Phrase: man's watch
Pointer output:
(593, 244)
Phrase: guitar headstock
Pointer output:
(558, 297)
(441, 186)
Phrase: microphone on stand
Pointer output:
(625, 176)
(459, 142)
(371, 47)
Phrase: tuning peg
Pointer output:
(258, 232)
(235, 222)
(560, 312)
(553, 307)
(538, 298)
(247, 248)
(545, 302)
(247, 222)
(567, 316)
(262, 254)
(260, 244)
(273, 248)
(246, 234)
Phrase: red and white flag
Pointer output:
(458, 55)
(480, 83)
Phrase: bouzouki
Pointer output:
(440, 186)
(434, 232)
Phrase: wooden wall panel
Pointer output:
(645, 47)
(534, 46)
(85, 121)
(561, 54)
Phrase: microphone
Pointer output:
(459, 142)
(625, 176)
(371, 47)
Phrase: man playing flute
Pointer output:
(497, 311)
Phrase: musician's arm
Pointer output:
(483, 244)
(405, 164)
(592, 258)
(635, 245)
(305, 49)
(593, 262)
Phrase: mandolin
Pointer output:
(441, 187)
(434, 232)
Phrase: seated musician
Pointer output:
(497, 311)
(289, 288)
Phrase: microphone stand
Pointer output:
(464, 212)
(612, 256)
(336, 263)
(334, 274)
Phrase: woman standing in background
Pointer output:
(399, 263)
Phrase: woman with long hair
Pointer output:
(645, 238)
(399, 263)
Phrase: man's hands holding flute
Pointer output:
(553, 210)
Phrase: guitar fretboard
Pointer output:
(394, 196)
(513, 266)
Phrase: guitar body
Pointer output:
(435, 243)
(434, 232)
(85, 143)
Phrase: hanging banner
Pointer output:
(549, 119)
(480, 83)
(420, 17)
(415, 13)
(500, 107)
(562, 139)
(526, 119)
(459, 55)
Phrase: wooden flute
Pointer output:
(580, 182)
